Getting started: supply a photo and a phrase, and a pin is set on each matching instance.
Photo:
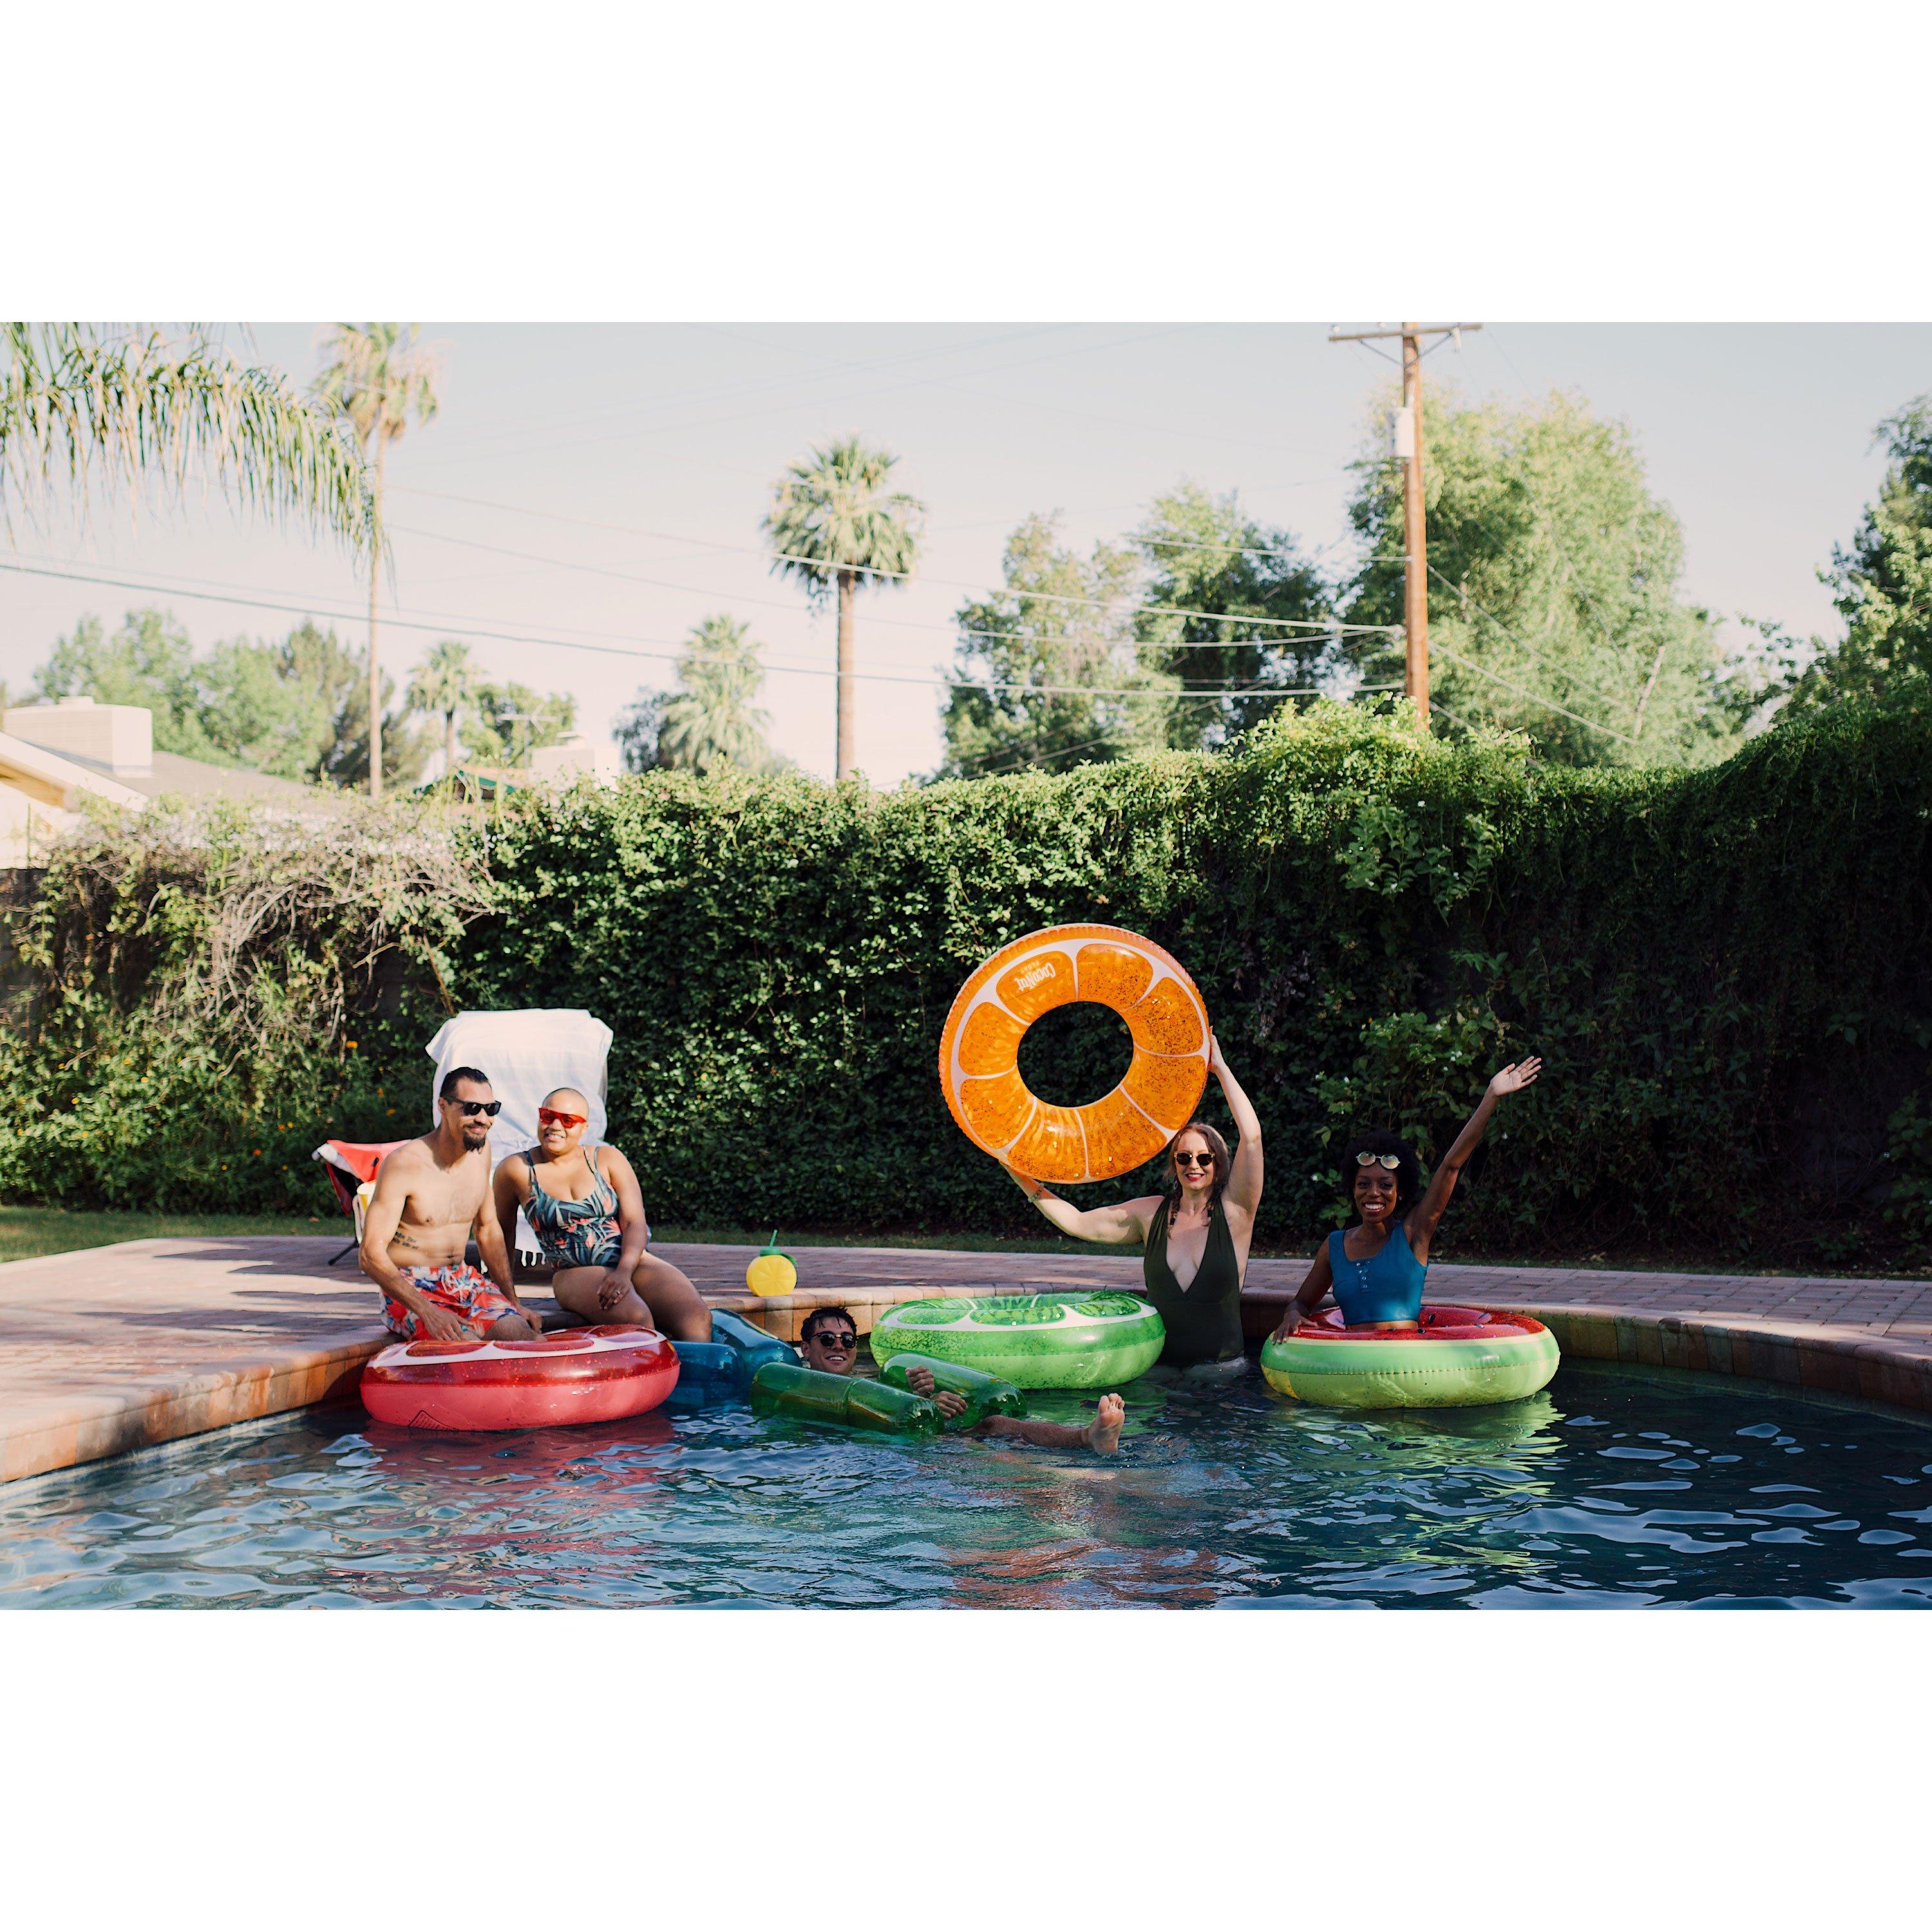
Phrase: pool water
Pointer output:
(1614, 1487)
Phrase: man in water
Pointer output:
(429, 1201)
(829, 1341)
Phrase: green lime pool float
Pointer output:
(847, 1402)
(984, 1395)
(1456, 1358)
(1067, 1338)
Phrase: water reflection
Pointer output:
(1610, 1487)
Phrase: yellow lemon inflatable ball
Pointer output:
(772, 1271)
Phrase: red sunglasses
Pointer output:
(549, 1117)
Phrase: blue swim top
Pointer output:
(1387, 1287)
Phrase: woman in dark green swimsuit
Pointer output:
(1194, 1238)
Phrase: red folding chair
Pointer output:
(351, 1167)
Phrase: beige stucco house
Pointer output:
(52, 756)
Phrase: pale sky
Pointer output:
(630, 464)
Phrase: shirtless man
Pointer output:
(431, 1195)
(829, 1341)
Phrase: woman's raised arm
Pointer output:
(1423, 1217)
(1243, 1193)
(1123, 1224)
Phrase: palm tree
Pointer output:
(116, 408)
(380, 377)
(443, 682)
(832, 521)
(711, 720)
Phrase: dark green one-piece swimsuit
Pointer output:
(1203, 1319)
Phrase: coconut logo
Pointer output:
(1026, 982)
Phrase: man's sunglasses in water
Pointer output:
(835, 1338)
(472, 1109)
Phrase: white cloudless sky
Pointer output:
(612, 477)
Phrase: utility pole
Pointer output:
(1415, 534)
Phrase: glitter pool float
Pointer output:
(1457, 1357)
(978, 1052)
(587, 1375)
(1067, 1338)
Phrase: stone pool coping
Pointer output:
(110, 1349)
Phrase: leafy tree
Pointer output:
(379, 377)
(834, 525)
(318, 661)
(1039, 669)
(1208, 555)
(509, 721)
(296, 708)
(711, 719)
(1553, 602)
(639, 727)
(113, 409)
(1883, 583)
(443, 685)
(149, 661)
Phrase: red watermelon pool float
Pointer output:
(588, 1375)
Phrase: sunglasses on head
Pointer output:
(1194, 1160)
(472, 1109)
(1390, 1161)
(550, 1117)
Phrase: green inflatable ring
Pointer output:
(1457, 1357)
(1067, 1338)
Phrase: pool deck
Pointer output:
(109, 1349)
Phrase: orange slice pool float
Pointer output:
(978, 1052)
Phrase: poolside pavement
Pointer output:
(108, 1349)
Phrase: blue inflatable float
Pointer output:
(720, 1370)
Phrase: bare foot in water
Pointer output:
(1103, 1432)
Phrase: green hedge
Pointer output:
(1725, 972)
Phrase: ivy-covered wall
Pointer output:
(1725, 971)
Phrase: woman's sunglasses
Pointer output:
(473, 1107)
(1194, 1160)
(549, 1117)
(1390, 1161)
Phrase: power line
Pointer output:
(1014, 759)
(622, 651)
(467, 446)
(824, 403)
(1455, 657)
(1462, 591)
(1089, 415)
(813, 562)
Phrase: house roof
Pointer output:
(172, 774)
(20, 760)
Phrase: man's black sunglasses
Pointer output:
(836, 1336)
(473, 1108)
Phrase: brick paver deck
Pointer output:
(109, 1349)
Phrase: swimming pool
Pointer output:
(1615, 1486)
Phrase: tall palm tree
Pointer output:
(712, 719)
(116, 408)
(445, 683)
(833, 522)
(380, 377)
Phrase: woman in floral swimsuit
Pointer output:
(587, 1212)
